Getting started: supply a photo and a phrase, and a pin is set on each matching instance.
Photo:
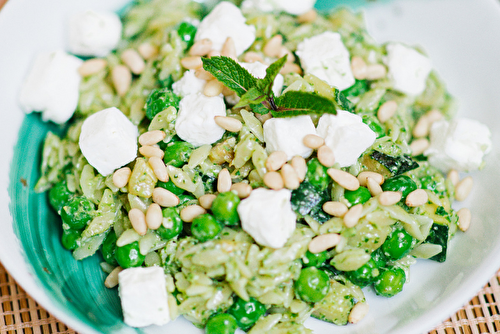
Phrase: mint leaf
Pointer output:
(266, 84)
(259, 109)
(343, 102)
(230, 73)
(252, 96)
(294, 103)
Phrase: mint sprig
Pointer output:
(258, 94)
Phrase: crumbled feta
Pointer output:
(326, 57)
(52, 86)
(258, 70)
(195, 122)
(291, 7)
(460, 144)
(226, 20)
(108, 140)
(347, 136)
(287, 135)
(408, 69)
(143, 295)
(94, 33)
(268, 217)
(188, 84)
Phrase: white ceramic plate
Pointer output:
(462, 38)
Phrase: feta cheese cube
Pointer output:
(287, 135)
(408, 69)
(144, 297)
(52, 86)
(268, 217)
(195, 122)
(108, 140)
(94, 33)
(188, 84)
(226, 20)
(291, 7)
(326, 57)
(460, 144)
(347, 136)
(258, 70)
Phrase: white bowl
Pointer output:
(462, 38)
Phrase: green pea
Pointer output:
(184, 199)
(314, 259)
(186, 32)
(224, 208)
(246, 313)
(159, 100)
(364, 275)
(222, 323)
(69, 238)
(59, 195)
(171, 225)
(108, 249)
(358, 196)
(400, 183)
(77, 213)
(397, 244)
(390, 282)
(316, 174)
(374, 124)
(129, 255)
(178, 153)
(312, 285)
(205, 227)
(170, 186)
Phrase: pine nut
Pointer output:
(133, 60)
(151, 151)
(165, 198)
(121, 177)
(344, 179)
(313, 141)
(290, 177)
(325, 156)
(375, 72)
(464, 219)
(207, 200)
(299, 164)
(138, 221)
(272, 47)
(275, 160)
(112, 279)
(323, 242)
(337, 209)
(201, 47)
(416, 198)
(388, 198)
(203, 75)
(308, 17)
(358, 67)
(122, 79)
(284, 51)
(453, 177)
(152, 137)
(224, 181)
(154, 216)
(422, 127)
(273, 180)
(192, 63)
(291, 68)
(434, 115)
(159, 168)
(147, 50)
(92, 66)
(230, 124)
(191, 212)
(228, 92)
(373, 186)
(463, 188)
(387, 110)
(418, 146)
(242, 189)
(252, 57)
(263, 118)
(213, 53)
(363, 176)
(358, 312)
(213, 88)
(352, 216)
(229, 49)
